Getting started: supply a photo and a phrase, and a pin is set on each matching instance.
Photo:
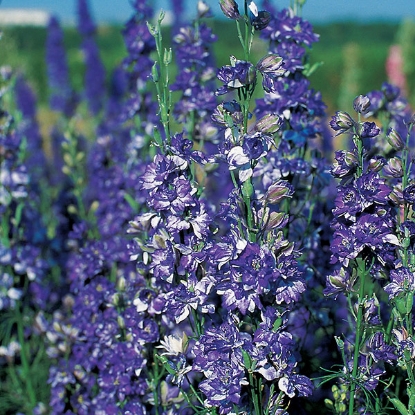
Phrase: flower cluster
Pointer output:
(191, 246)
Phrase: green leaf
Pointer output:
(399, 406)
(310, 69)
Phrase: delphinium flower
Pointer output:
(94, 81)
(219, 287)
(293, 156)
(110, 344)
(26, 289)
(62, 97)
(137, 67)
(102, 336)
(371, 239)
(29, 128)
(192, 47)
(290, 95)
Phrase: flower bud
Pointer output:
(396, 195)
(341, 122)
(278, 191)
(277, 220)
(121, 322)
(268, 124)
(121, 284)
(230, 9)
(395, 140)
(271, 64)
(203, 10)
(394, 168)
(361, 104)
(376, 164)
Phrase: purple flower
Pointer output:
(348, 202)
(240, 287)
(379, 350)
(237, 75)
(218, 355)
(345, 165)
(402, 281)
(94, 75)
(174, 197)
(242, 157)
(373, 189)
(286, 26)
(409, 194)
(340, 281)
(222, 388)
(344, 245)
(289, 385)
(368, 130)
(342, 122)
(61, 94)
(261, 19)
(86, 26)
(161, 171)
(270, 66)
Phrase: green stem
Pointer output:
(254, 394)
(361, 269)
(25, 362)
(246, 193)
(156, 383)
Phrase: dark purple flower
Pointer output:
(402, 281)
(261, 20)
(239, 74)
(183, 147)
(94, 75)
(286, 26)
(222, 387)
(409, 194)
(342, 122)
(348, 202)
(374, 232)
(161, 171)
(345, 164)
(61, 94)
(368, 130)
(86, 26)
(339, 282)
(175, 197)
(373, 188)
(344, 245)
(390, 91)
(379, 350)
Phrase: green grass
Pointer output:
(23, 49)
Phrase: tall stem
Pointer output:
(361, 270)
(24, 356)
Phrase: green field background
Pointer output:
(352, 56)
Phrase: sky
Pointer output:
(315, 10)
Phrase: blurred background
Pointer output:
(362, 42)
